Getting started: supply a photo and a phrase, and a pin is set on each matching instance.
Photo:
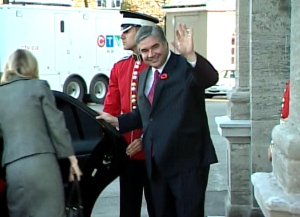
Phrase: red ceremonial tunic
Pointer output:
(286, 101)
(122, 93)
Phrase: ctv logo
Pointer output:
(109, 41)
(28, 47)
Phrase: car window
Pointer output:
(222, 74)
(227, 74)
(231, 74)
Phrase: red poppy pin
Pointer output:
(164, 76)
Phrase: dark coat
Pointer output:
(176, 131)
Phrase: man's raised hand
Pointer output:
(184, 44)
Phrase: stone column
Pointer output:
(270, 51)
(270, 46)
(278, 193)
(286, 161)
(238, 200)
(263, 52)
(239, 98)
(237, 128)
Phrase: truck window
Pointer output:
(62, 26)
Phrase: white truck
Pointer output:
(75, 47)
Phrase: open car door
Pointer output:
(99, 147)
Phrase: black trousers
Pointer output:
(3, 202)
(181, 195)
(133, 181)
(3, 206)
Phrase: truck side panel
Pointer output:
(65, 40)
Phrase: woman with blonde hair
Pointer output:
(34, 136)
(21, 63)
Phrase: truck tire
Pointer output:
(74, 87)
(98, 89)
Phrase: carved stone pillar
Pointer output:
(239, 98)
(278, 193)
(237, 128)
(238, 200)
(263, 52)
(270, 64)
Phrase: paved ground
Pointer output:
(107, 204)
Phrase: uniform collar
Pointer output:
(137, 57)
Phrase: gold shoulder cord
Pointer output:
(134, 84)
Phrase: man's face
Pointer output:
(128, 39)
(154, 52)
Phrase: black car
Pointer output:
(99, 147)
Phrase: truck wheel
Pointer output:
(74, 87)
(98, 89)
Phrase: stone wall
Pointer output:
(269, 72)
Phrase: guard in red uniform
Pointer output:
(122, 98)
(286, 101)
(285, 109)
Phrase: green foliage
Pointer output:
(125, 5)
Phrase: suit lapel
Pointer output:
(142, 83)
(166, 73)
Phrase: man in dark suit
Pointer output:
(171, 110)
(121, 98)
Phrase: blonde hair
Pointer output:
(21, 63)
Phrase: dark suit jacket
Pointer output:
(175, 127)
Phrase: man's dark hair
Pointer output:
(146, 31)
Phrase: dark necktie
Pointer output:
(151, 92)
